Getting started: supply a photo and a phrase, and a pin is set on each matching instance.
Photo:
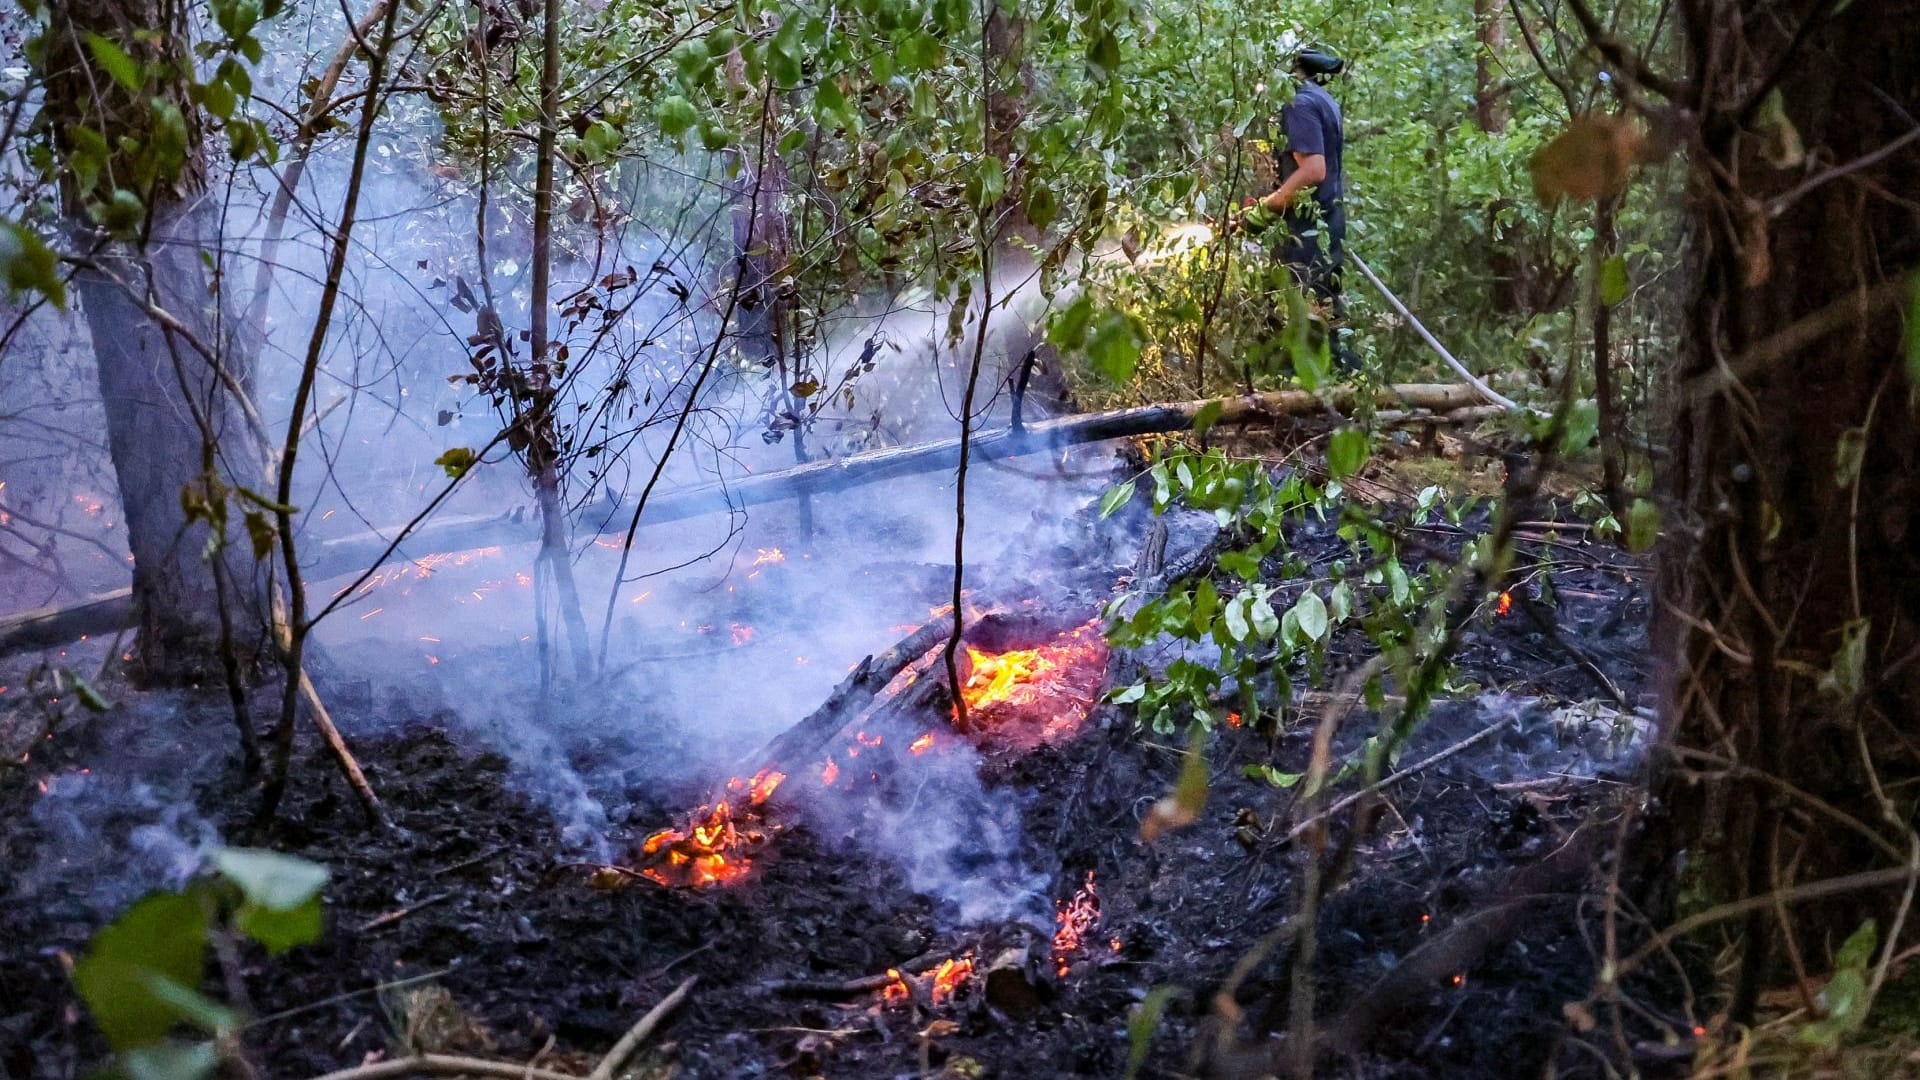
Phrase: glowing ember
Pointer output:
(947, 979)
(712, 849)
(1233, 719)
(741, 633)
(1076, 919)
(922, 744)
(764, 556)
(1024, 698)
(831, 773)
(1505, 605)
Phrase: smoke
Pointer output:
(726, 628)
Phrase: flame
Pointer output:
(1026, 697)
(995, 676)
(1505, 605)
(1076, 919)
(921, 745)
(948, 978)
(711, 849)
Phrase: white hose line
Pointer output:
(1433, 343)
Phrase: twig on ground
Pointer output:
(638, 1034)
(445, 1065)
(1387, 781)
(380, 922)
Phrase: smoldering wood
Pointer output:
(1407, 402)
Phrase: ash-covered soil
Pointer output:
(479, 889)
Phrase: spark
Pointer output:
(372, 613)
(643, 596)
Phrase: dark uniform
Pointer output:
(1316, 242)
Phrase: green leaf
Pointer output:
(1116, 497)
(261, 531)
(90, 698)
(1913, 333)
(1311, 612)
(792, 141)
(1614, 284)
(1207, 416)
(1069, 327)
(1142, 1025)
(456, 461)
(171, 1061)
(1236, 615)
(1042, 206)
(1271, 775)
(1347, 451)
(1114, 348)
(28, 265)
(600, 140)
(165, 935)
(988, 183)
(1340, 603)
(1265, 622)
(1847, 676)
(281, 930)
(918, 52)
(676, 115)
(192, 1006)
(1849, 454)
(274, 881)
(1643, 525)
(111, 57)
(1206, 601)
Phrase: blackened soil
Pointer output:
(539, 963)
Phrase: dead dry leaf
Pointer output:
(1588, 160)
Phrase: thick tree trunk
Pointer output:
(164, 403)
(150, 309)
(1790, 613)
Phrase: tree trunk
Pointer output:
(166, 402)
(1791, 593)
(1489, 97)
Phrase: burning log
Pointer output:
(112, 611)
(803, 741)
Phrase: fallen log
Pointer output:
(329, 558)
(798, 744)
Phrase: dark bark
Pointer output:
(150, 312)
(1775, 559)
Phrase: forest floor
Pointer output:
(491, 923)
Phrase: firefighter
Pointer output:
(1309, 201)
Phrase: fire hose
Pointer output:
(1258, 218)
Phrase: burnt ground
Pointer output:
(533, 960)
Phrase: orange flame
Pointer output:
(1505, 605)
(948, 978)
(711, 849)
(1076, 918)
(1027, 697)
